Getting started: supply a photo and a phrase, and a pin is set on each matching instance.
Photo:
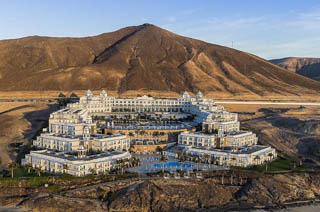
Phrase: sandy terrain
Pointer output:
(18, 123)
(155, 93)
(13, 209)
(292, 130)
(311, 208)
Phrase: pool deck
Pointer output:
(152, 164)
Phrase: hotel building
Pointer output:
(81, 165)
(220, 136)
(243, 157)
(70, 122)
(71, 135)
(103, 103)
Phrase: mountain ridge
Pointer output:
(305, 66)
(143, 57)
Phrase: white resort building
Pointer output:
(222, 139)
(220, 136)
(70, 122)
(104, 103)
(80, 165)
(72, 134)
(243, 156)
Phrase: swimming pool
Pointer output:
(173, 165)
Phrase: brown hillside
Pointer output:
(308, 67)
(143, 57)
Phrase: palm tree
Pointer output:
(233, 159)
(184, 155)
(206, 157)
(270, 155)
(256, 158)
(163, 158)
(118, 163)
(28, 167)
(190, 157)
(197, 160)
(93, 171)
(301, 159)
(294, 164)
(222, 178)
(158, 149)
(232, 174)
(178, 155)
(216, 160)
(65, 168)
(123, 166)
(135, 161)
(12, 166)
(38, 170)
(240, 176)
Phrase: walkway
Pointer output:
(269, 103)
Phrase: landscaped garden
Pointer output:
(278, 165)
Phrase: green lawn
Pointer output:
(280, 164)
(32, 179)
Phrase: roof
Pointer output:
(241, 150)
(70, 157)
(103, 93)
(88, 93)
(199, 94)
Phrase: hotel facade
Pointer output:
(65, 146)
(80, 165)
(220, 137)
(72, 134)
(103, 103)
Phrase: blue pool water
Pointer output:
(173, 165)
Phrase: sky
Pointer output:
(267, 28)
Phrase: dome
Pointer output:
(185, 95)
(103, 93)
(88, 93)
(81, 152)
(199, 94)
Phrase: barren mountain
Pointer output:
(142, 57)
(308, 67)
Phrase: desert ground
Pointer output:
(292, 130)
(156, 93)
(19, 123)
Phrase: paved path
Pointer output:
(269, 103)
